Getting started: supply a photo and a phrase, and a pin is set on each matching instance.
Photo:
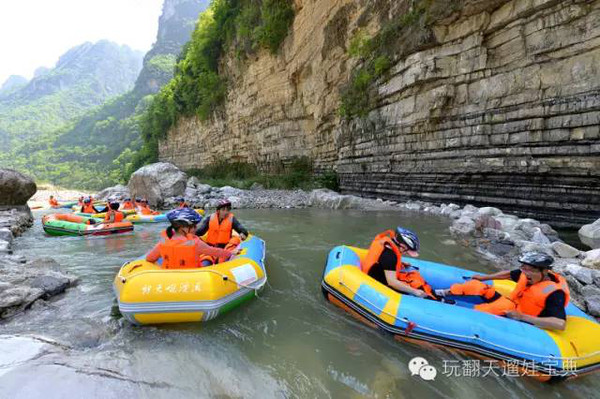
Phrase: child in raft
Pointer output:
(179, 247)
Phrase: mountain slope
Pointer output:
(104, 139)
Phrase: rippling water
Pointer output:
(288, 343)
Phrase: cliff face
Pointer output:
(501, 107)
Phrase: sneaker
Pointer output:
(441, 293)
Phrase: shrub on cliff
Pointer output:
(198, 88)
(399, 36)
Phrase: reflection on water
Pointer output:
(287, 343)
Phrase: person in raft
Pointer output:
(219, 228)
(80, 201)
(539, 298)
(181, 202)
(88, 206)
(52, 201)
(112, 214)
(384, 263)
(179, 248)
(145, 209)
(127, 204)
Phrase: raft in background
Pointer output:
(543, 354)
(149, 294)
(66, 205)
(102, 215)
(160, 218)
(59, 224)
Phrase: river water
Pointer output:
(288, 343)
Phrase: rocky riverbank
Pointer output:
(23, 281)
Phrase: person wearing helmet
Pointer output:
(539, 298)
(179, 247)
(181, 202)
(112, 214)
(145, 209)
(80, 201)
(384, 263)
(127, 204)
(88, 206)
(220, 225)
(219, 228)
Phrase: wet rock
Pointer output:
(228, 191)
(119, 192)
(193, 182)
(51, 285)
(590, 290)
(529, 246)
(574, 285)
(203, 188)
(500, 248)
(590, 232)
(539, 237)
(4, 247)
(15, 187)
(455, 214)
(488, 210)
(158, 181)
(463, 226)
(470, 209)
(592, 259)
(448, 209)
(593, 305)
(508, 222)
(6, 235)
(16, 219)
(580, 273)
(26, 283)
(564, 250)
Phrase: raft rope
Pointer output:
(476, 337)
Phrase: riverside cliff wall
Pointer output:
(499, 106)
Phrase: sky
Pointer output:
(35, 33)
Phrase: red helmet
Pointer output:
(224, 203)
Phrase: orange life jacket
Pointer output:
(119, 216)
(179, 252)
(128, 205)
(531, 299)
(527, 299)
(219, 233)
(145, 210)
(88, 208)
(413, 278)
(53, 202)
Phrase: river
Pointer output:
(287, 343)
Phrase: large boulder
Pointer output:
(15, 187)
(592, 259)
(157, 182)
(590, 234)
(119, 191)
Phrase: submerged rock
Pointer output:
(21, 284)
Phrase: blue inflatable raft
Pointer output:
(543, 354)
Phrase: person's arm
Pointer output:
(154, 254)
(203, 226)
(502, 275)
(551, 323)
(552, 317)
(237, 226)
(205, 249)
(392, 281)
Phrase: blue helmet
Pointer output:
(180, 199)
(408, 238)
(184, 216)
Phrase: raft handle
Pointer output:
(225, 278)
(337, 255)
